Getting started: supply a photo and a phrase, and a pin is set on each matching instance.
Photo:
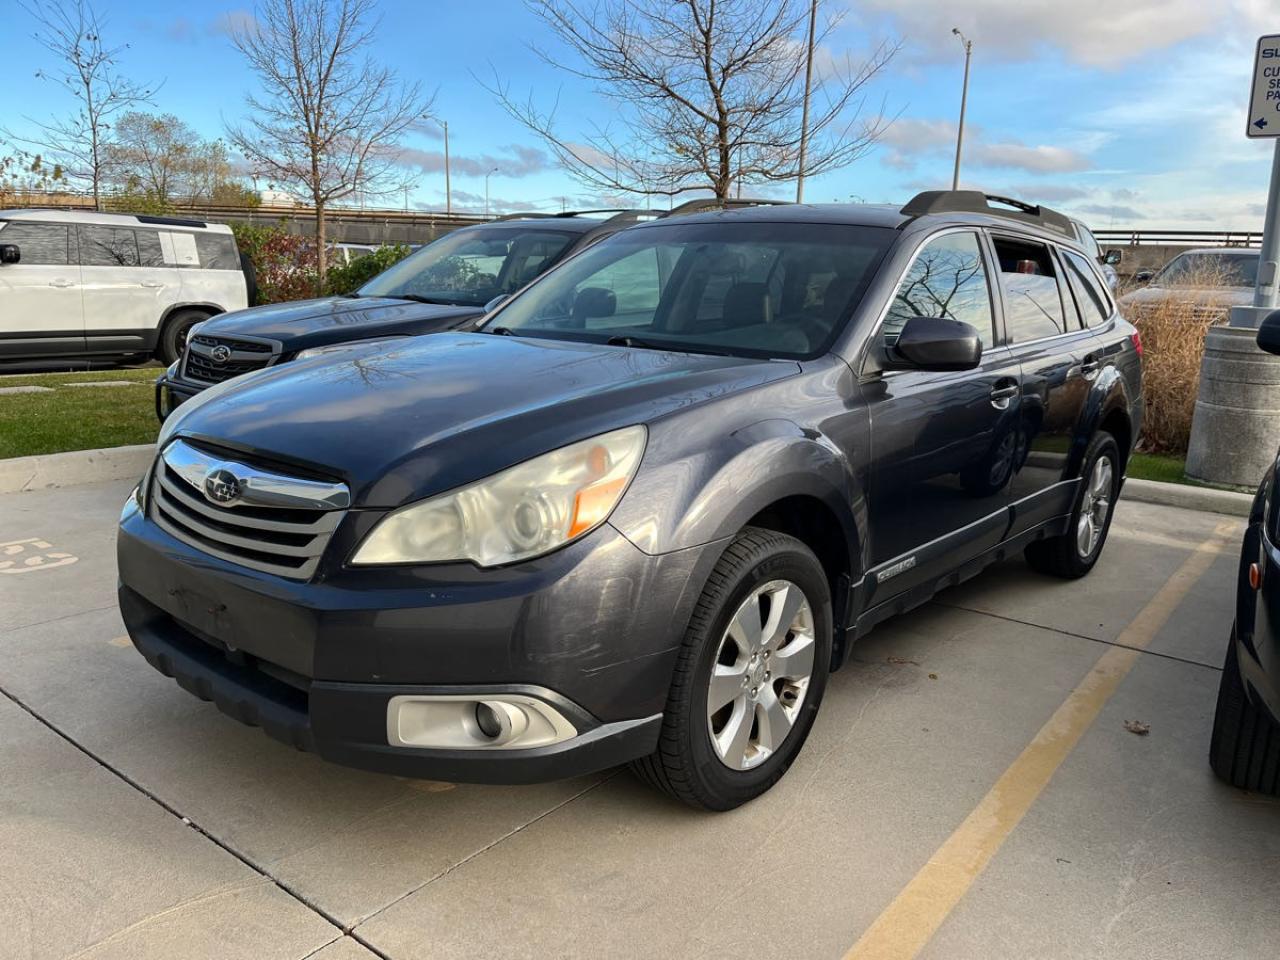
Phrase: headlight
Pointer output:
(522, 512)
(172, 371)
(340, 347)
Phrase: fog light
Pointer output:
(488, 721)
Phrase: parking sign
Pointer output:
(1264, 103)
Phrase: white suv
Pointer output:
(103, 284)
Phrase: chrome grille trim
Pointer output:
(246, 355)
(279, 524)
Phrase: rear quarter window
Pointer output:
(217, 251)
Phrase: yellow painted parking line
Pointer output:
(911, 920)
(120, 642)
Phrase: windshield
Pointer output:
(1211, 270)
(741, 288)
(472, 266)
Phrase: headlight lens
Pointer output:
(524, 511)
(340, 347)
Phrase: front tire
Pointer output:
(749, 676)
(1074, 553)
(1245, 748)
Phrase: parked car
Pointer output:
(443, 286)
(79, 284)
(644, 510)
(1214, 279)
(344, 253)
(1245, 747)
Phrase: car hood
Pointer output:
(311, 323)
(402, 421)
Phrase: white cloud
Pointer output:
(910, 140)
(1094, 34)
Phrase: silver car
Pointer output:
(1215, 279)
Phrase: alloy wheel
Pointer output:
(1095, 505)
(761, 674)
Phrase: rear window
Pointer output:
(1032, 299)
(108, 247)
(217, 251)
(149, 249)
(39, 243)
(1094, 309)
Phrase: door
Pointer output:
(1059, 360)
(119, 309)
(41, 302)
(943, 445)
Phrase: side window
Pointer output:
(947, 279)
(1094, 308)
(1032, 299)
(150, 253)
(218, 251)
(107, 247)
(41, 244)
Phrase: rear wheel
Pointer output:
(173, 338)
(1074, 553)
(1245, 748)
(749, 677)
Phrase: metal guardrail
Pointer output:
(1179, 238)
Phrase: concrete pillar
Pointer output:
(1236, 428)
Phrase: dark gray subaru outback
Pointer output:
(644, 511)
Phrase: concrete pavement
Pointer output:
(137, 821)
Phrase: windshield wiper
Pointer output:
(500, 331)
(628, 341)
(417, 298)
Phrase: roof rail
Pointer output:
(170, 221)
(566, 214)
(975, 201)
(718, 203)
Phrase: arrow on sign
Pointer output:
(1260, 122)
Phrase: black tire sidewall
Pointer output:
(176, 324)
(801, 568)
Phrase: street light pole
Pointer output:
(964, 96)
(804, 114)
(486, 189)
(448, 189)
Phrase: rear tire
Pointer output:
(1245, 748)
(173, 338)
(1068, 556)
(717, 758)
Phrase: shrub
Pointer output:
(350, 277)
(286, 264)
(1173, 328)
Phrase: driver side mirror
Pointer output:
(1269, 332)
(9, 253)
(1113, 257)
(934, 343)
(1144, 276)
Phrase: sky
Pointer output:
(1127, 114)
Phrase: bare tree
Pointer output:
(160, 158)
(708, 91)
(326, 124)
(88, 68)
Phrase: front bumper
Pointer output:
(592, 630)
(172, 393)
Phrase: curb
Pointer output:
(1188, 497)
(45, 471)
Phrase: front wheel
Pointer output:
(749, 677)
(1074, 553)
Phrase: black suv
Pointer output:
(1245, 749)
(643, 511)
(443, 286)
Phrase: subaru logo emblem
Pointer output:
(220, 354)
(221, 486)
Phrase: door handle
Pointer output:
(150, 284)
(1089, 368)
(62, 284)
(1002, 394)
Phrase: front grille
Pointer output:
(244, 355)
(286, 540)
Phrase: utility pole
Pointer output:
(486, 189)
(804, 113)
(964, 96)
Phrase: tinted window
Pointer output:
(749, 289)
(217, 251)
(1032, 300)
(947, 279)
(150, 253)
(1094, 308)
(108, 247)
(39, 243)
(472, 266)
